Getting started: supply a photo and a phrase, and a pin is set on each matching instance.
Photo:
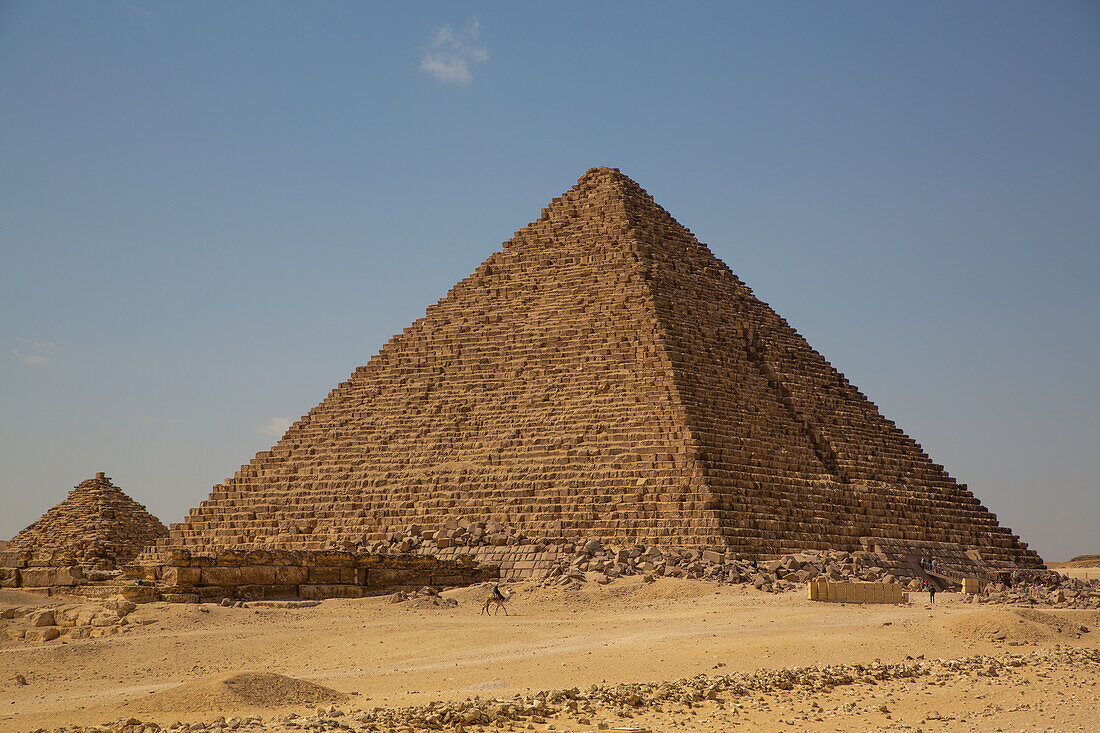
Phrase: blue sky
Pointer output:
(210, 213)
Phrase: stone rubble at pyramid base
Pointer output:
(466, 553)
(881, 561)
(411, 560)
(68, 622)
(463, 552)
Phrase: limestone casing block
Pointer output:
(235, 576)
(176, 576)
(9, 577)
(331, 575)
(291, 575)
(43, 577)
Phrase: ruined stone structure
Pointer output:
(260, 574)
(96, 527)
(603, 375)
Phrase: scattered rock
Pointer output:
(42, 618)
(597, 703)
(40, 634)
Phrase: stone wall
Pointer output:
(261, 574)
(252, 575)
(856, 592)
(24, 569)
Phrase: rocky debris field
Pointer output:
(68, 620)
(589, 561)
(668, 655)
(1064, 593)
(618, 706)
(593, 563)
(426, 597)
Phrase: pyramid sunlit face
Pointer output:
(602, 375)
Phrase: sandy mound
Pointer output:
(1008, 625)
(242, 690)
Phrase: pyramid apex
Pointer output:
(100, 481)
(601, 174)
(600, 170)
(613, 182)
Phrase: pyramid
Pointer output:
(96, 526)
(602, 375)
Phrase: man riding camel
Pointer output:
(496, 598)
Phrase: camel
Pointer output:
(499, 599)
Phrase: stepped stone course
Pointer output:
(602, 375)
(96, 527)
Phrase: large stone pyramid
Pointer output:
(96, 526)
(603, 375)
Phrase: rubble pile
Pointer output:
(573, 561)
(1056, 592)
(68, 621)
(588, 560)
(591, 562)
(426, 597)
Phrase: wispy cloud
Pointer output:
(450, 53)
(139, 11)
(37, 354)
(274, 427)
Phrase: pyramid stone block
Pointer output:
(602, 375)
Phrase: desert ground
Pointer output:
(1085, 567)
(662, 656)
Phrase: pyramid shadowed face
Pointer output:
(602, 375)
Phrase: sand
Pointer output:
(1086, 572)
(241, 691)
(195, 663)
(1081, 561)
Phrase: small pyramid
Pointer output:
(96, 526)
(602, 375)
